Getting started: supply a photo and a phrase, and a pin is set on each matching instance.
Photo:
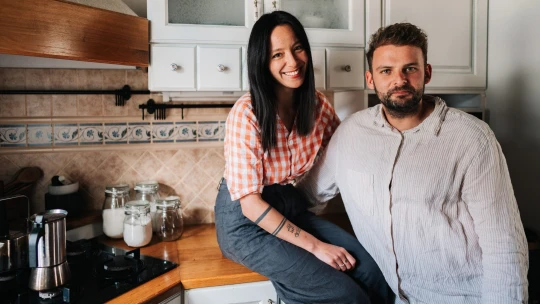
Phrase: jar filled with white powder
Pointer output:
(116, 196)
(148, 191)
(137, 224)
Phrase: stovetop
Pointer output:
(99, 273)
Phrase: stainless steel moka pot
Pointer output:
(47, 250)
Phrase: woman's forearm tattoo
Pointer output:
(278, 229)
(263, 215)
(291, 229)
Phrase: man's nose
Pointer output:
(400, 78)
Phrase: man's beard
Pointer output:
(402, 107)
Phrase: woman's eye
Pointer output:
(277, 55)
(298, 48)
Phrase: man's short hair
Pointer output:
(399, 34)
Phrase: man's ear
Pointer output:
(369, 80)
(427, 74)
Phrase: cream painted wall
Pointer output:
(513, 96)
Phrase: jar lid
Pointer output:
(117, 189)
(147, 186)
(169, 201)
(137, 206)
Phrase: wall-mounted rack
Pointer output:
(159, 109)
(122, 95)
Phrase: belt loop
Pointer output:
(220, 182)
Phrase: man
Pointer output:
(426, 187)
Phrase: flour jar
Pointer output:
(137, 224)
(116, 196)
(168, 218)
(148, 191)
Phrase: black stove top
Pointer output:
(99, 273)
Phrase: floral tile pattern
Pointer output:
(66, 134)
(91, 134)
(186, 131)
(210, 131)
(115, 133)
(163, 131)
(39, 135)
(12, 135)
(139, 133)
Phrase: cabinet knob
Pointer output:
(347, 68)
(175, 67)
(270, 301)
(274, 4)
(221, 68)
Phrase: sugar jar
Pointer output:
(137, 224)
(148, 191)
(116, 196)
(168, 218)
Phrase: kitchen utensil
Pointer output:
(27, 175)
(13, 244)
(47, 250)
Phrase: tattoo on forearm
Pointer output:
(297, 233)
(279, 226)
(290, 227)
(263, 215)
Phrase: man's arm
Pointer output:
(488, 193)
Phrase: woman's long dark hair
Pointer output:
(262, 83)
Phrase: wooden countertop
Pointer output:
(200, 264)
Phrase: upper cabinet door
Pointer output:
(457, 36)
(327, 22)
(208, 21)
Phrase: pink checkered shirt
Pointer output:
(248, 169)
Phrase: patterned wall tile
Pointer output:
(139, 133)
(186, 131)
(163, 131)
(66, 134)
(209, 131)
(40, 135)
(115, 133)
(13, 135)
(91, 134)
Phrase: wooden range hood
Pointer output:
(65, 30)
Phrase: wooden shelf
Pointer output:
(65, 30)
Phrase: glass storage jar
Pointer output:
(148, 191)
(116, 196)
(137, 224)
(168, 218)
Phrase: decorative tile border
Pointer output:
(13, 135)
(83, 134)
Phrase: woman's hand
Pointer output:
(335, 256)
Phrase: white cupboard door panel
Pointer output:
(248, 293)
(219, 68)
(245, 78)
(319, 67)
(172, 68)
(345, 68)
(457, 37)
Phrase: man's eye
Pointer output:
(410, 69)
(385, 71)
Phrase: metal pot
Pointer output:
(13, 244)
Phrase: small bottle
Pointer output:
(168, 219)
(148, 191)
(137, 224)
(116, 196)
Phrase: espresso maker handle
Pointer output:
(33, 241)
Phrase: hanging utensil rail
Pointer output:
(159, 109)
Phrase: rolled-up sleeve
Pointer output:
(489, 196)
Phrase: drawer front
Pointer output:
(319, 67)
(219, 68)
(345, 68)
(172, 68)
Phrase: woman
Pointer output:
(273, 135)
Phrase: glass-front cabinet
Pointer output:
(328, 22)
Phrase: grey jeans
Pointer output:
(297, 275)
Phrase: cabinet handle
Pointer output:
(270, 301)
(347, 68)
(274, 4)
(175, 67)
(221, 68)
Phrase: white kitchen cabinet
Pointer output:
(172, 68)
(345, 68)
(208, 21)
(457, 36)
(248, 293)
(327, 22)
(319, 67)
(219, 68)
